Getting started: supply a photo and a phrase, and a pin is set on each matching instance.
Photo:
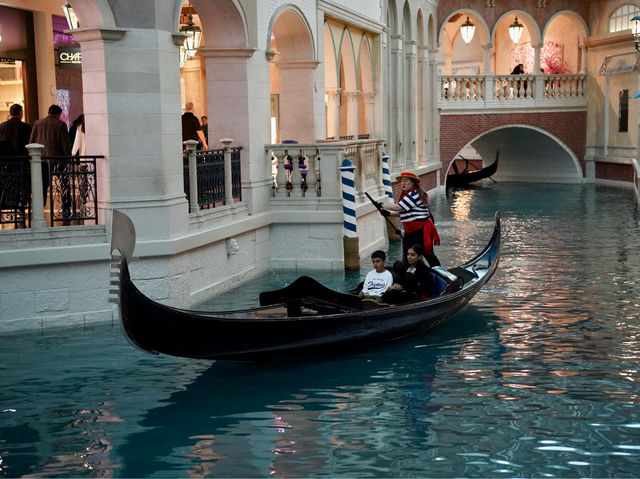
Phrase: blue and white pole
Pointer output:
(386, 176)
(348, 198)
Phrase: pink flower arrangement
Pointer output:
(551, 58)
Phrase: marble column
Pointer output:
(333, 112)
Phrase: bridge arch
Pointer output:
(528, 153)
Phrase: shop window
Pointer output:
(621, 18)
(623, 125)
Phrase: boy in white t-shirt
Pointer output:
(379, 279)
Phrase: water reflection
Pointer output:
(305, 417)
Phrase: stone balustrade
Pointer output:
(512, 91)
(301, 170)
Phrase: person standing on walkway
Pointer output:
(191, 129)
(51, 132)
(417, 222)
(15, 131)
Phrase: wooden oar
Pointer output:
(379, 207)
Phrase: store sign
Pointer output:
(7, 61)
(69, 57)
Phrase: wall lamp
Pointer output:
(635, 29)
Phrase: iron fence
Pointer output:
(15, 191)
(210, 172)
(72, 193)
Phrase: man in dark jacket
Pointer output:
(52, 132)
(15, 131)
(191, 129)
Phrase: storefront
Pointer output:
(18, 81)
(28, 75)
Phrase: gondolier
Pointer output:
(417, 222)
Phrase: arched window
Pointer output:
(620, 19)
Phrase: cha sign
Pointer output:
(69, 57)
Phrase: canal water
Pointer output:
(538, 377)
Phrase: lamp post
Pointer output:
(467, 29)
(72, 18)
(194, 36)
(635, 29)
(515, 31)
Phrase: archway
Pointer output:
(292, 69)
(527, 154)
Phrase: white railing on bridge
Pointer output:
(512, 91)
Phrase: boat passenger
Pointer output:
(377, 280)
(417, 221)
(417, 282)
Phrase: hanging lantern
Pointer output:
(467, 30)
(194, 36)
(72, 19)
(515, 31)
(635, 29)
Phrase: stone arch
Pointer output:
(366, 88)
(450, 40)
(431, 33)
(532, 27)
(293, 34)
(331, 79)
(348, 77)
(392, 17)
(527, 153)
(558, 30)
(407, 24)
(292, 72)
(223, 23)
(94, 13)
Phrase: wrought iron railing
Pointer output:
(15, 191)
(210, 175)
(72, 193)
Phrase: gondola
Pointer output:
(303, 318)
(466, 177)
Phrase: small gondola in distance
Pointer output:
(305, 317)
(466, 177)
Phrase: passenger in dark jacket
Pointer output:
(416, 282)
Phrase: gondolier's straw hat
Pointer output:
(410, 175)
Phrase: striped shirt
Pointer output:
(412, 208)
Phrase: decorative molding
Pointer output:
(542, 3)
(241, 52)
(297, 64)
(104, 34)
(345, 15)
(490, 3)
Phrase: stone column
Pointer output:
(296, 100)
(370, 112)
(410, 103)
(352, 113)
(191, 145)
(238, 106)
(424, 86)
(228, 180)
(133, 118)
(488, 70)
(539, 90)
(333, 112)
(396, 125)
(37, 200)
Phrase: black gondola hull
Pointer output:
(462, 179)
(265, 333)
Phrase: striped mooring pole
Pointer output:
(350, 239)
(386, 183)
(386, 176)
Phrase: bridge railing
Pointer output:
(512, 91)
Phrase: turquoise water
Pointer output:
(538, 377)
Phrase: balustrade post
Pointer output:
(193, 176)
(228, 181)
(37, 198)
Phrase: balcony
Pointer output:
(499, 92)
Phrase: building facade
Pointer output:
(295, 88)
